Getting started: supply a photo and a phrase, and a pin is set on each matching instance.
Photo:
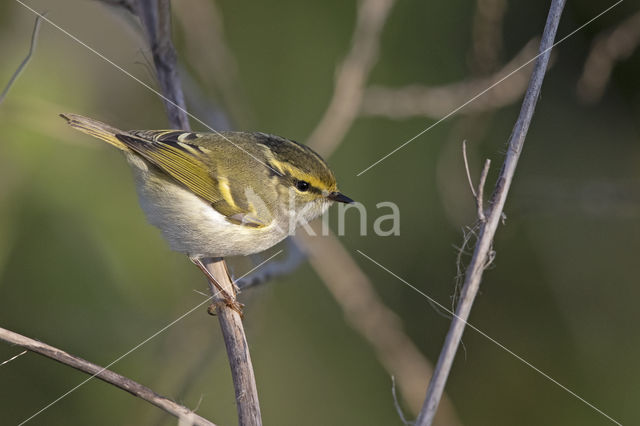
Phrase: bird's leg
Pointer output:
(229, 300)
(235, 287)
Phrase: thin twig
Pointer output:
(105, 375)
(25, 61)
(396, 403)
(466, 168)
(483, 249)
(480, 196)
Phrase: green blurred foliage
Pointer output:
(82, 270)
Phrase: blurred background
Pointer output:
(81, 269)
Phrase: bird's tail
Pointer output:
(96, 129)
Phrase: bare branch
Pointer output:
(25, 61)
(124, 383)
(235, 341)
(439, 101)
(608, 49)
(482, 252)
(352, 76)
(479, 195)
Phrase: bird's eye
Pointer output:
(302, 185)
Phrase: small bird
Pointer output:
(221, 194)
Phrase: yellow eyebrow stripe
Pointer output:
(300, 175)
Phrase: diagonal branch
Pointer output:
(108, 376)
(488, 229)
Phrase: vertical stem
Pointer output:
(483, 248)
(235, 341)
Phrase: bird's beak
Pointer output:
(336, 196)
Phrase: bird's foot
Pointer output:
(222, 297)
(230, 303)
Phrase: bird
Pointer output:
(221, 194)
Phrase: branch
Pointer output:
(235, 341)
(124, 383)
(351, 77)
(439, 101)
(479, 194)
(25, 61)
(488, 229)
(608, 49)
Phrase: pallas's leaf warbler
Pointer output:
(221, 194)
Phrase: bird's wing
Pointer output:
(187, 163)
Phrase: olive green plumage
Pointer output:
(221, 194)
